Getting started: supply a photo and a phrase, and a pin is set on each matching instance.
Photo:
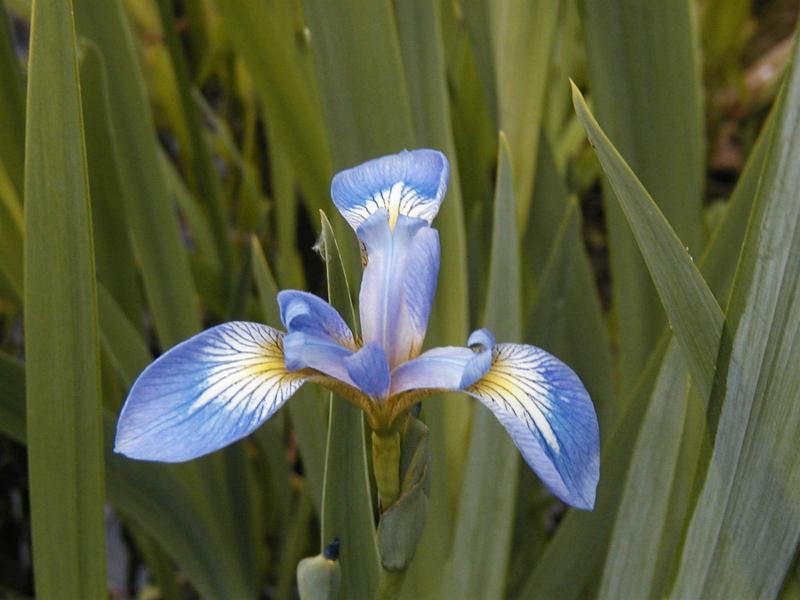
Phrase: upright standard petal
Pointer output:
(206, 393)
(410, 183)
(537, 398)
(398, 284)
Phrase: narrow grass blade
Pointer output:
(12, 148)
(204, 172)
(644, 79)
(356, 52)
(347, 511)
(482, 536)
(719, 260)
(305, 409)
(630, 567)
(522, 36)
(576, 552)
(12, 109)
(562, 309)
(690, 305)
(477, 13)
(65, 461)
(265, 34)
(114, 258)
(744, 532)
(150, 215)
(121, 339)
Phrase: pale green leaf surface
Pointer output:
(65, 439)
(120, 338)
(522, 40)
(562, 308)
(690, 305)
(561, 562)
(644, 79)
(571, 565)
(745, 529)
(482, 535)
(347, 499)
(149, 213)
(642, 515)
(360, 76)
(113, 252)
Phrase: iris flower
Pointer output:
(223, 383)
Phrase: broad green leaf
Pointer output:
(347, 498)
(481, 541)
(744, 532)
(145, 195)
(629, 567)
(690, 305)
(113, 252)
(419, 24)
(65, 461)
(203, 170)
(719, 259)
(305, 409)
(522, 39)
(644, 80)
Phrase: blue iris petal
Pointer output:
(448, 368)
(549, 415)
(537, 398)
(303, 350)
(205, 393)
(409, 183)
(398, 284)
(301, 311)
(369, 370)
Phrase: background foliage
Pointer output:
(162, 168)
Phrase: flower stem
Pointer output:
(390, 584)
(386, 464)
